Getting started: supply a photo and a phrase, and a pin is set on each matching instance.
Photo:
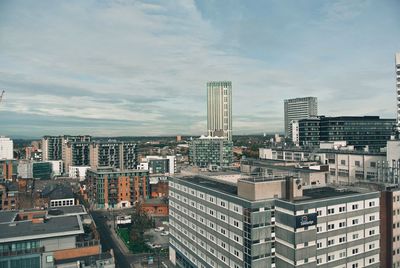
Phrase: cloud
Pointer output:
(141, 67)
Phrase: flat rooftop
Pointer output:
(330, 192)
(88, 260)
(66, 210)
(24, 230)
(7, 216)
(212, 184)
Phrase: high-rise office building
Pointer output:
(299, 108)
(6, 148)
(397, 61)
(219, 109)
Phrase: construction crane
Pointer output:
(1, 96)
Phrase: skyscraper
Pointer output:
(219, 109)
(398, 88)
(299, 108)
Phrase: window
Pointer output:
(355, 221)
(331, 226)
(236, 223)
(354, 251)
(319, 245)
(343, 162)
(342, 239)
(331, 242)
(372, 203)
(355, 206)
(371, 246)
(371, 232)
(357, 163)
(223, 204)
(355, 236)
(373, 164)
(331, 257)
(319, 212)
(372, 218)
(342, 224)
(355, 265)
(331, 211)
(342, 209)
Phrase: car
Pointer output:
(159, 229)
(163, 233)
(156, 246)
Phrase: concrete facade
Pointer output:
(6, 148)
(299, 108)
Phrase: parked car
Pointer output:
(159, 229)
(163, 233)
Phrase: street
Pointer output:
(123, 258)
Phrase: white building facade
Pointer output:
(6, 148)
(78, 172)
(299, 108)
(219, 109)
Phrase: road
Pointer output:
(108, 242)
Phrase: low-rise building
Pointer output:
(43, 238)
(9, 195)
(78, 172)
(28, 169)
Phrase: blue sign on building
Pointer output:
(306, 220)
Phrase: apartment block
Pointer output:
(111, 188)
(210, 151)
(9, 195)
(53, 146)
(76, 154)
(8, 169)
(271, 222)
(116, 154)
(159, 164)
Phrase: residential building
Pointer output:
(110, 188)
(219, 109)
(76, 154)
(206, 152)
(8, 169)
(116, 154)
(299, 108)
(53, 146)
(363, 132)
(9, 195)
(6, 148)
(42, 238)
(271, 222)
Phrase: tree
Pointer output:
(140, 223)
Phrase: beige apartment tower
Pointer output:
(219, 109)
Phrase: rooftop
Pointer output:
(7, 216)
(88, 260)
(52, 227)
(211, 183)
(66, 210)
(330, 192)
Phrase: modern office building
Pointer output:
(206, 152)
(116, 154)
(28, 169)
(41, 238)
(345, 166)
(6, 148)
(53, 146)
(156, 164)
(362, 132)
(299, 108)
(397, 63)
(110, 188)
(219, 109)
(271, 222)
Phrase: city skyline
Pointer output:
(140, 68)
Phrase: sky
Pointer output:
(140, 68)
